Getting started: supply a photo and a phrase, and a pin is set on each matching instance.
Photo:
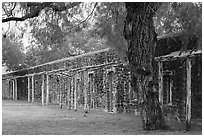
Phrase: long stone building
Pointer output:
(101, 80)
(97, 79)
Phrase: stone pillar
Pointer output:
(33, 92)
(188, 94)
(60, 92)
(68, 93)
(47, 88)
(15, 81)
(75, 92)
(170, 90)
(28, 88)
(43, 89)
(72, 93)
(160, 82)
(114, 93)
(85, 90)
(91, 88)
(110, 81)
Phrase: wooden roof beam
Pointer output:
(178, 54)
(62, 60)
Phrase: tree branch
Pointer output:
(13, 8)
(88, 15)
(5, 10)
(62, 8)
(39, 8)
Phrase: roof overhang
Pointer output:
(178, 54)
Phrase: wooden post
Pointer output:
(13, 89)
(91, 89)
(65, 91)
(10, 88)
(129, 91)
(60, 92)
(42, 89)
(93, 92)
(170, 90)
(68, 93)
(8, 91)
(115, 98)
(75, 92)
(16, 88)
(71, 92)
(28, 89)
(85, 90)
(167, 90)
(110, 80)
(33, 84)
(188, 101)
(47, 84)
(160, 63)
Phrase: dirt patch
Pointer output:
(22, 118)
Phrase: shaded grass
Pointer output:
(22, 118)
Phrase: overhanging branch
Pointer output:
(39, 8)
(88, 17)
(11, 12)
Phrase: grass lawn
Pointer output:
(22, 118)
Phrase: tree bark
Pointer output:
(140, 34)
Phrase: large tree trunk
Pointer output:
(141, 37)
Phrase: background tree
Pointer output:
(185, 17)
(58, 32)
(12, 55)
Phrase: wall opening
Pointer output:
(110, 92)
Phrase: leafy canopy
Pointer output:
(58, 30)
(12, 54)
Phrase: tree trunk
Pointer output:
(141, 38)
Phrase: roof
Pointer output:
(170, 35)
(178, 54)
(61, 60)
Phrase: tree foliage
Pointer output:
(33, 9)
(55, 33)
(12, 54)
(109, 24)
(62, 29)
(180, 16)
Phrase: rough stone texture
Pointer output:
(123, 98)
(7, 89)
(166, 46)
(107, 86)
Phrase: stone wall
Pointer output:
(98, 79)
(101, 80)
(106, 85)
(178, 78)
(7, 89)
